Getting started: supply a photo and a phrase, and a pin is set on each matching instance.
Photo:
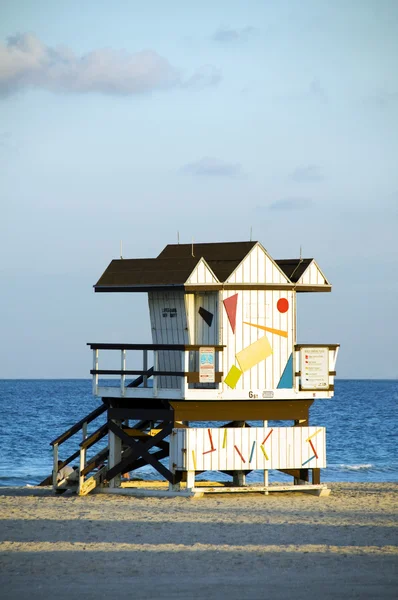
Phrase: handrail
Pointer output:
(49, 478)
(95, 437)
(175, 347)
(69, 432)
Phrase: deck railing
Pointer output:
(186, 375)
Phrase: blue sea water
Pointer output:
(361, 423)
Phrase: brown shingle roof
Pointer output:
(173, 266)
(293, 268)
(219, 251)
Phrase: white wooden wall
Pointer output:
(259, 307)
(258, 267)
(248, 448)
(202, 274)
(167, 329)
(312, 276)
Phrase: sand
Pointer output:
(234, 546)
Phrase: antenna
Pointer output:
(251, 232)
(192, 249)
(178, 237)
(301, 252)
(121, 250)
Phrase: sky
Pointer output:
(133, 121)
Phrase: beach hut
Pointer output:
(224, 353)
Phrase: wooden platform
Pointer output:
(161, 489)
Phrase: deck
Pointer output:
(182, 379)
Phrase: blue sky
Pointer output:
(133, 121)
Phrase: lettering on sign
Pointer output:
(169, 312)
(264, 394)
(206, 365)
(314, 368)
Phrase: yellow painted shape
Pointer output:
(224, 442)
(313, 435)
(269, 329)
(253, 354)
(194, 460)
(264, 452)
(233, 377)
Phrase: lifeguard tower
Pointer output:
(223, 354)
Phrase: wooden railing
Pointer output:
(79, 426)
(145, 373)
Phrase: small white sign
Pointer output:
(314, 368)
(206, 365)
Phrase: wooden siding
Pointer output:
(258, 267)
(202, 274)
(244, 448)
(259, 307)
(312, 276)
(167, 329)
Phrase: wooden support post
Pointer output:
(123, 368)
(155, 368)
(184, 380)
(55, 465)
(190, 479)
(145, 367)
(95, 368)
(115, 455)
(82, 464)
(316, 476)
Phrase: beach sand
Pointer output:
(288, 545)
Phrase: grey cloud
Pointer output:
(289, 204)
(213, 167)
(308, 173)
(25, 62)
(229, 35)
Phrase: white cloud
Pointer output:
(213, 167)
(308, 173)
(291, 204)
(230, 35)
(26, 62)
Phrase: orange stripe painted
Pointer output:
(269, 329)
(313, 448)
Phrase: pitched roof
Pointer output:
(124, 273)
(218, 251)
(173, 266)
(293, 268)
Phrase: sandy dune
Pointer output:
(234, 546)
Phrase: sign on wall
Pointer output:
(314, 368)
(206, 365)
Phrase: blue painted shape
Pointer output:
(252, 452)
(286, 381)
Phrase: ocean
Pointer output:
(361, 429)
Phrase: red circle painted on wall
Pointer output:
(282, 305)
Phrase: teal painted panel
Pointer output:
(286, 381)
